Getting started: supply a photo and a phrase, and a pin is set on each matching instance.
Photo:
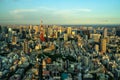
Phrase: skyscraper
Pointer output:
(36, 28)
(14, 39)
(25, 46)
(65, 37)
(69, 30)
(50, 31)
(95, 37)
(103, 45)
(56, 34)
(105, 32)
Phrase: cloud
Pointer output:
(23, 10)
(54, 10)
(84, 10)
(49, 15)
(73, 13)
(20, 13)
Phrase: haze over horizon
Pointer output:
(59, 11)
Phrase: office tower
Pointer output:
(69, 30)
(95, 37)
(94, 31)
(36, 28)
(30, 27)
(65, 37)
(20, 29)
(56, 34)
(96, 47)
(105, 32)
(60, 29)
(80, 43)
(10, 33)
(25, 46)
(107, 39)
(50, 32)
(103, 45)
(14, 39)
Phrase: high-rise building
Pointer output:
(60, 29)
(94, 31)
(50, 32)
(105, 32)
(21, 29)
(103, 45)
(36, 28)
(97, 48)
(69, 30)
(65, 37)
(107, 39)
(25, 46)
(56, 34)
(30, 27)
(80, 43)
(95, 37)
(14, 39)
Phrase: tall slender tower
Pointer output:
(14, 39)
(41, 25)
(69, 30)
(105, 33)
(25, 46)
(103, 45)
(42, 32)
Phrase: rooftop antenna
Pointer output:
(41, 23)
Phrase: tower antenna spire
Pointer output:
(41, 22)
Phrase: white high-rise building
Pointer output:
(69, 30)
(105, 32)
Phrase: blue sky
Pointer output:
(60, 11)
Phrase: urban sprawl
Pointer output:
(58, 52)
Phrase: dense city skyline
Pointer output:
(59, 12)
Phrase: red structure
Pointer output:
(42, 37)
